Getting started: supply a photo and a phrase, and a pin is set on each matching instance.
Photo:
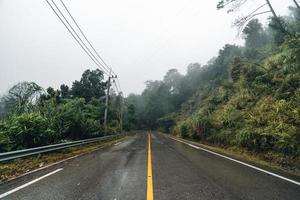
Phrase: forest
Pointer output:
(32, 116)
(247, 97)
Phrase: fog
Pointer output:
(139, 39)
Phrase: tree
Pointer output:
(254, 35)
(278, 35)
(22, 96)
(27, 130)
(240, 22)
(7, 106)
(130, 117)
(172, 79)
(65, 92)
(51, 92)
(291, 22)
(236, 69)
(90, 85)
(139, 105)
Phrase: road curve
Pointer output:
(179, 171)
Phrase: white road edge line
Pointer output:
(240, 162)
(193, 146)
(29, 183)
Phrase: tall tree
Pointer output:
(51, 92)
(22, 96)
(65, 92)
(254, 34)
(172, 79)
(130, 118)
(90, 85)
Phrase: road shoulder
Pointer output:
(250, 160)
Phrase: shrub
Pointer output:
(249, 139)
(221, 137)
(4, 140)
(229, 117)
(184, 130)
(27, 130)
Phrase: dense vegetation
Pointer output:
(246, 97)
(33, 117)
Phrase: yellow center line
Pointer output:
(149, 176)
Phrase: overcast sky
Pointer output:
(139, 39)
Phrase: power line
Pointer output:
(73, 19)
(80, 41)
(71, 32)
(118, 87)
(106, 69)
(79, 28)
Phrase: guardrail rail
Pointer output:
(38, 150)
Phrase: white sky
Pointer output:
(140, 39)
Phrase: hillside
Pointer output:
(257, 107)
(247, 98)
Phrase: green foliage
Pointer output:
(184, 130)
(161, 98)
(26, 131)
(77, 119)
(166, 123)
(254, 34)
(90, 85)
(57, 115)
(65, 92)
(228, 116)
(130, 118)
(236, 69)
(259, 110)
(247, 97)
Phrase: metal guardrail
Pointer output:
(38, 150)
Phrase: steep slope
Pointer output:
(256, 107)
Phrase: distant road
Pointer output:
(179, 172)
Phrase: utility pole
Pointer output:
(121, 112)
(106, 102)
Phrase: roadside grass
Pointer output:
(276, 161)
(12, 169)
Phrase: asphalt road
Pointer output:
(179, 171)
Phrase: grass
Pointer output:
(12, 169)
(276, 161)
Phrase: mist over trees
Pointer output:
(247, 96)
